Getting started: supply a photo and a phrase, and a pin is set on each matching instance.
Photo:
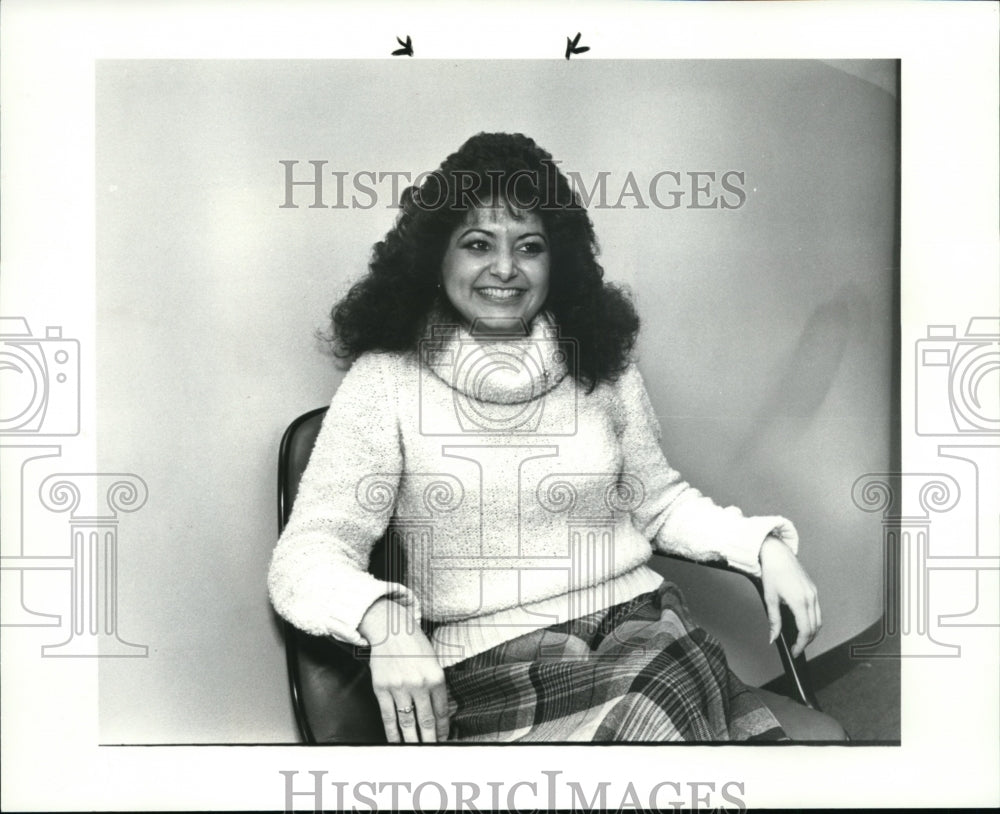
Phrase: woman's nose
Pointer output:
(503, 266)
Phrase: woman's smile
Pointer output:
(500, 294)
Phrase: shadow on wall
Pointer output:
(806, 378)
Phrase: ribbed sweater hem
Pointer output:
(456, 641)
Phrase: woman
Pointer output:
(494, 417)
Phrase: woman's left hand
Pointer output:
(785, 580)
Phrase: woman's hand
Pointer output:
(785, 580)
(407, 679)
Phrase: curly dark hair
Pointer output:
(388, 308)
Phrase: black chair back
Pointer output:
(329, 681)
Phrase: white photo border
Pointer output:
(949, 753)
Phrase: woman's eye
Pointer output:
(476, 245)
(532, 248)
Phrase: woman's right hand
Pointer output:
(407, 679)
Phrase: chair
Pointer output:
(330, 682)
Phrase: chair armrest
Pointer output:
(796, 669)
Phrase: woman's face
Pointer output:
(496, 268)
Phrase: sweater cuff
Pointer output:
(313, 607)
(745, 555)
(397, 593)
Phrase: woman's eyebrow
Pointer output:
(490, 233)
(476, 229)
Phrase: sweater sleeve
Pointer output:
(674, 515)
(318, 579)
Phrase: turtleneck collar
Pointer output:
(499, 369)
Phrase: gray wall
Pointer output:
(766, 341)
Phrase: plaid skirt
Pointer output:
(638, 671)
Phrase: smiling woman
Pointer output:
(493, 399)
(496, 268)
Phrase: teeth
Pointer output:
(500, 293)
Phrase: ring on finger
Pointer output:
(404, 710)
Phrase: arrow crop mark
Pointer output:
(406, 50)
(571, 46)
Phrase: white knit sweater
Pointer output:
(521, 500)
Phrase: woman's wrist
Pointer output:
(772, 542)
(383, 616)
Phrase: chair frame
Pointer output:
(796, 669)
